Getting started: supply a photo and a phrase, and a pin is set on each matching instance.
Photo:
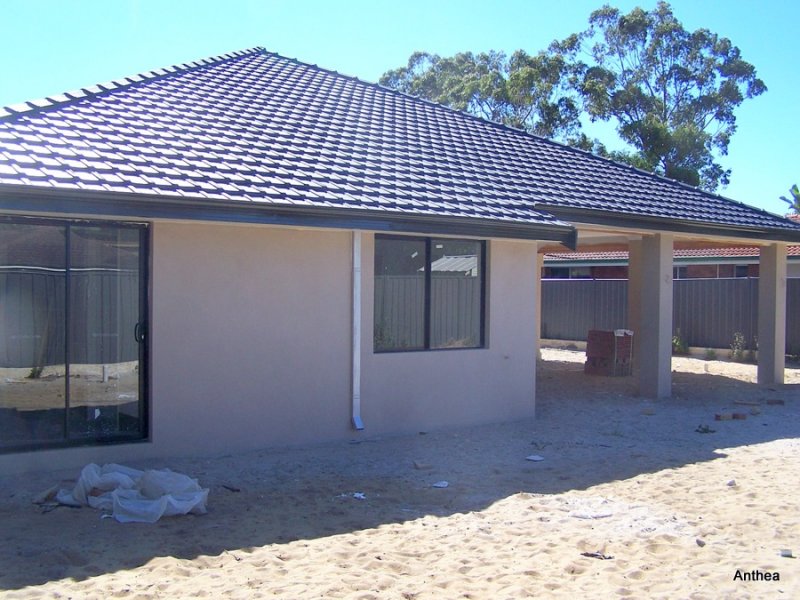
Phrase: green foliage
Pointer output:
(711, 354)
(679, 345)
(524, 91)
(35, 373)
(738, 347)
(794, 200)
(671, 92)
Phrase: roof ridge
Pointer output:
(100, 89)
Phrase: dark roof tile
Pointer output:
(255, 126)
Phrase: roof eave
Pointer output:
(699, 228)
(98, 203)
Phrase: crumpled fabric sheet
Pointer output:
(133, 496)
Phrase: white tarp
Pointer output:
(136, 496)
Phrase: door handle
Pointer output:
(140, 331)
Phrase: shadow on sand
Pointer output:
(589, 430)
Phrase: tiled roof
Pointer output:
(690, 253)
(262, 129)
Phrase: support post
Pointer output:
(635, 297)
(772, 314)
(538, 298)
(655, 339)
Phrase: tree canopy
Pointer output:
(672, 93)
(523, 90)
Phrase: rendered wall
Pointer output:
(250, 341)
(251, 348)
(425, 390)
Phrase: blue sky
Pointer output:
(49, 46)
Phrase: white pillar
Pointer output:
(634, 321)
(655, 330)
(538, 299)
(772, 314)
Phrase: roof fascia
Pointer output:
(49, 201)
(728, 260)
(661, 224)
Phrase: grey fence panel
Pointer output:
(709, 311)
(104, 308)
(399, 308)
(31, 319)
(571, 307)
(793, 316)
(455, 311)
(400, 312)
(706, 311)
(611, 304)
(104, 311)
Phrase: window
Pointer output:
(556, 272)
(580, 273)
(72, 313)
(429, 293)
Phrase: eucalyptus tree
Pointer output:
(522, 90)
(672, 93)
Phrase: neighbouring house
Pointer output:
(688, 263)
(249, 251)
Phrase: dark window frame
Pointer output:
(145, 349)
(426, 336)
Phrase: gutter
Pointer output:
(590, 216)
(358, 424)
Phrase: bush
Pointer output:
(738, 347)
(679, 345)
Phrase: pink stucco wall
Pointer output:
(251, 347)
(413, 391)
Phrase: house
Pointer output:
(689, 263)
(239, 252)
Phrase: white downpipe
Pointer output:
(356, 399)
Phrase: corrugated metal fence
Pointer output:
(104, 306)
(455, 308)
(707, 311)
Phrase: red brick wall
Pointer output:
(697, 271)
(619, 272)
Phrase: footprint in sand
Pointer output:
(575, 569)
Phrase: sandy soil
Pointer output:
(676, 511)
(91, 385)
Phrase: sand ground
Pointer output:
(676, 511)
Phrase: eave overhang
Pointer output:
(22, 199)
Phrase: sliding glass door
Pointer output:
(73, 315)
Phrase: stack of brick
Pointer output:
(609, 353)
